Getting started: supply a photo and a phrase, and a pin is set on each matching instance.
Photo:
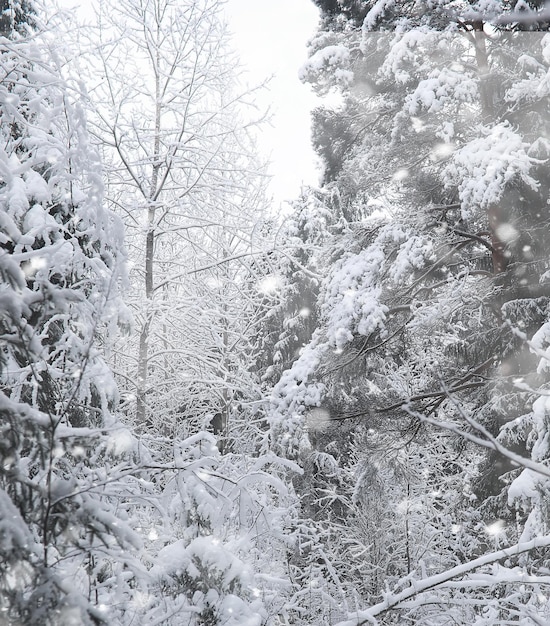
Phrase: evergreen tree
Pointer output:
(60, 268)
(342, 11)
(17, 17)
(291, 275)
(443, 265)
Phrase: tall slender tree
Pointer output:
(184, 179)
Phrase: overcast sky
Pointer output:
(271, 37)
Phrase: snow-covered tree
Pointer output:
(181, 173)
(293, 270)
(60, 266)
(97, 525)
(438, 156)
(18, 16)
(215, 527)
(212, 513)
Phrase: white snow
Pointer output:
(444, 86)
(482, 168)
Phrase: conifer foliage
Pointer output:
(59, 265)
(433, 313)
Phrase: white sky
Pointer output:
(271, 37)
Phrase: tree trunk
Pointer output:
(143, 359)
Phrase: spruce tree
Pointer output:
(435, 288)
(17, 18)
(60, 539)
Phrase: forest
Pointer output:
(215, 415)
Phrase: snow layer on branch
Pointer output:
(408, 55)
(535, 85)
(353, 303)
(524, 488)
(530, 89)
(207, 551)
(529, 491)
(413, 254)
(378, 11)
(331, 60)
(540, 344)
(443, 86)
(210, 566)
(539, 437)
(353, 300)
(14, 533)
(330, 55)
(487, 8)
(482, 168)
(17, 197)
(292, 396)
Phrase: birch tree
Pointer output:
(182, 175)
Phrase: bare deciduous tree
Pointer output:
(175, 127)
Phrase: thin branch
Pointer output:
(417, 587)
